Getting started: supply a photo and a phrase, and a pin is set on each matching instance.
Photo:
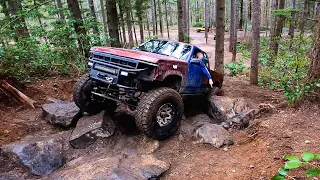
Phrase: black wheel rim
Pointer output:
(165, 115)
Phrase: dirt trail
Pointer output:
(256, 153)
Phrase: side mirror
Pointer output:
(195, 61)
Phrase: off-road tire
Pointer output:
(82, 98)
(148, 107)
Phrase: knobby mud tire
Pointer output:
(148, 107)
(82, 96)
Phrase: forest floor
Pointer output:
(257, 151)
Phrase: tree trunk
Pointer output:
(232, 20)
(256, 21)
(196, 11)
(78, 25)
(134, 27)
(39, 19)
(154, 18)
(166, 8)
(170, 17)
(274, 6)
(241, 22)
(180, 21)
(292, 24)
(314, 55)
(245, 4)
(267, 16)
(276, 36)
(113, 22)
(160, 18)
(304, 16)
(220, 20)
(120, 38)
(94, 17)
(206, 19)
(213, 13)
(129, 23)
(122, 23)
(15, 93)
(316, 9)
(186, 10)
(103, 14)
(235, 31)
(139, 13)
(148, 25)
(14, 8)
(250, 11)
(60, 7)
(228, 13)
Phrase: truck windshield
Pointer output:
(151, 46)
(173, 49)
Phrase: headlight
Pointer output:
(90, 63)
(90, 55)
(124, 73)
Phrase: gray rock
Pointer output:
(90, 128)
(213, 134)
(41, 155)
(240, 121)
(141, 167)
(7, 177)
(61, 113)
(189, 125)
(222, 108)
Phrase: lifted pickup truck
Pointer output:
(151, 79)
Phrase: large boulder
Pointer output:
(213, 134)
(222, 108)
(142, 167)
(90, 128)
(41, 155)
(61, 113)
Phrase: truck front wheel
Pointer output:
(159, 113)
(83, 98)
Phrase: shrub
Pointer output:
(294, 162)
(236, 68)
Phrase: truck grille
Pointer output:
(119, 61)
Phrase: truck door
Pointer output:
(195, 76)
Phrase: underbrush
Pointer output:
(236, 68)
(51, 49)
(288, 70)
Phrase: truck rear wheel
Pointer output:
(83, 98)
(159, 113)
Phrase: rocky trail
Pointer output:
(43, 143)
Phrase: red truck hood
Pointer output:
(140, 55)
